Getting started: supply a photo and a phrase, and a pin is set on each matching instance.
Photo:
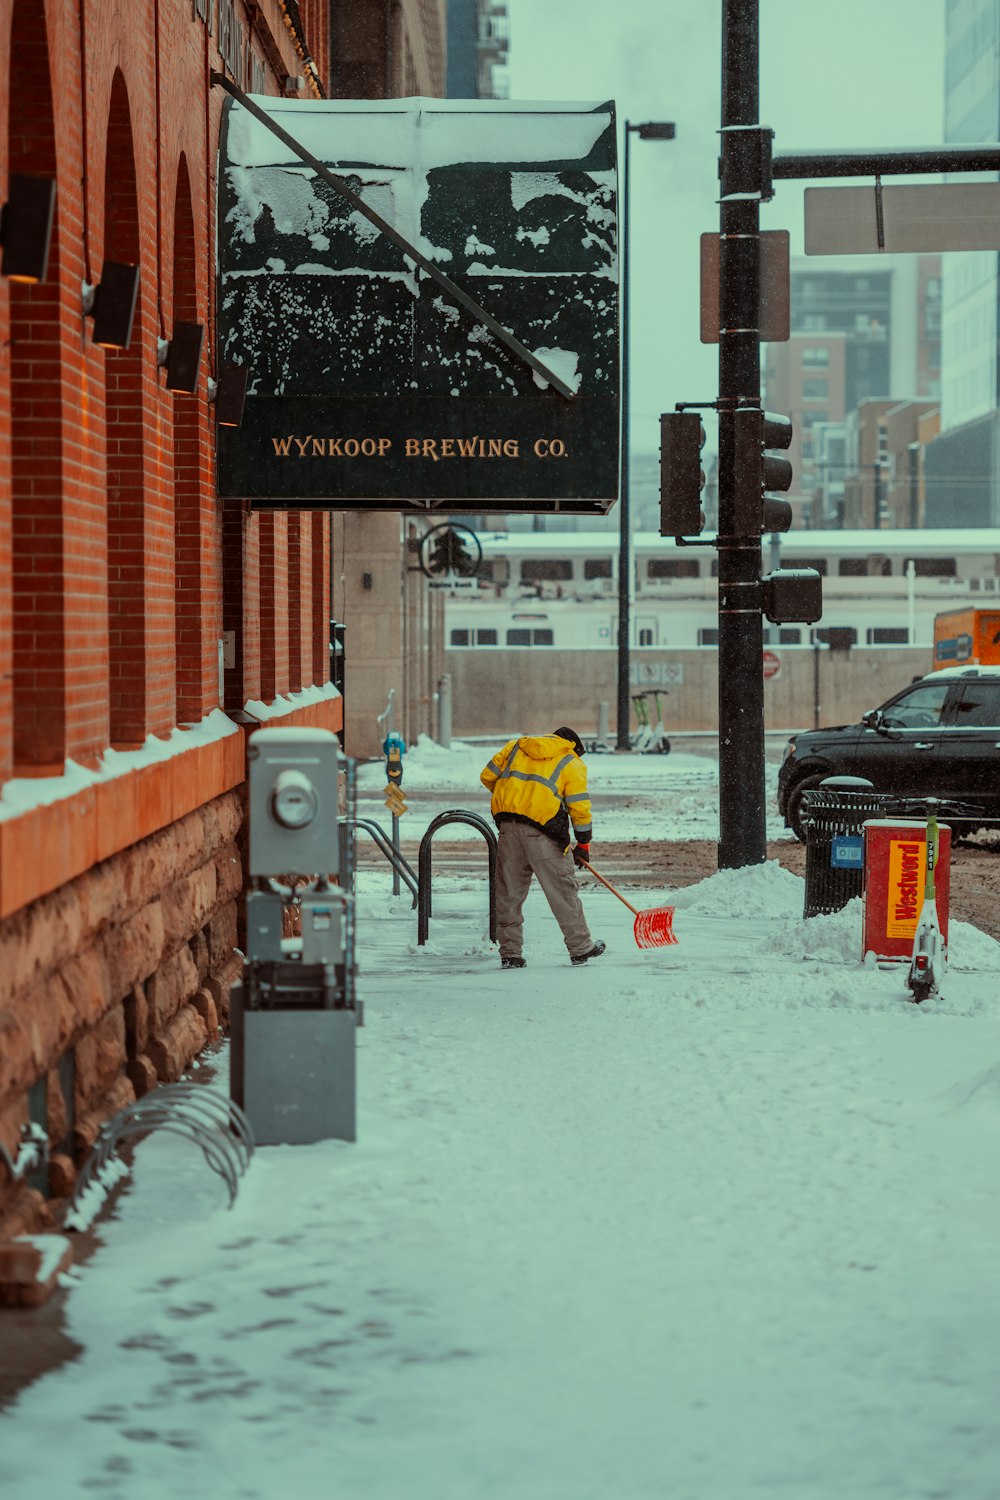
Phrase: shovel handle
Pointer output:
(582, 861)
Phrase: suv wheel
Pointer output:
(794, 810)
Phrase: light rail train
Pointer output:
(559, 590)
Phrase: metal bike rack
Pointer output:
(207, 1118)
(383, 842)
(473, 820)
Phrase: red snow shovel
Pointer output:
(653, 928)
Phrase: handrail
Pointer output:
(424, 868)
(398, 861)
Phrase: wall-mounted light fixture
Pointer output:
(181, 356)
(112, 304)
(229, 393)
(292, 84)
(26, 228)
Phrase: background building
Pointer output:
(963, 463)
(478, 36)
(863, 329)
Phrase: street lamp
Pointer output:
(650, 131)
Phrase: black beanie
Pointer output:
(573, 737)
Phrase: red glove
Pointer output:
(580, 852)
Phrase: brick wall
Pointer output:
(122, 974)
(120, 570)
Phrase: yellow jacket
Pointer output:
(540, 779)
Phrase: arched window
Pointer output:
(135, 671)
(33, 665)
(196, 582)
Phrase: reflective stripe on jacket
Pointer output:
(540, 779)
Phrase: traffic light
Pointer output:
(757, 470)
(682, 478)
(777, 514)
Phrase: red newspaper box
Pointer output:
(895, 873)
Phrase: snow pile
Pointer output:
(764, 890)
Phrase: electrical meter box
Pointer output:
(293, 801)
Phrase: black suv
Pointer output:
(939, 737)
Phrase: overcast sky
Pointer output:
(838, 74)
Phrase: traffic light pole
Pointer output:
(747, 169)
(742, 837)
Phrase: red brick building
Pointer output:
(138, 613)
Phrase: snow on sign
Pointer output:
(371, 384)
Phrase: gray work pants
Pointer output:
(523, 851)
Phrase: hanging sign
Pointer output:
(371, 385)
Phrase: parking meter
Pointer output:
(394, 747)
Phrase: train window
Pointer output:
(670, 567)
(646, 636)
(546, 569)
(486, 638)
(864, 567)
(819, 563)
(522, 637)
(932, 567)
(789, 635)
(596, 567)
(843, 635)
(459, 637)
(485, 570)
(888, 635)
(708, 637)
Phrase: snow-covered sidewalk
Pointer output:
(705, 1223)
(709, 1221)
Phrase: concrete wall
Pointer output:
(496, 692)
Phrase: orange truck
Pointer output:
(967, 637)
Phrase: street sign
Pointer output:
(922, 217)
(394, 799)
(775, 282)
(379, 380)
(771, 666)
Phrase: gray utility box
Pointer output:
(293, 1071)
(293, 1017)
(293, 801)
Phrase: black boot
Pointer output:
(513, 961)
(595, 952)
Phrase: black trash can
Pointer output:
(834, 814)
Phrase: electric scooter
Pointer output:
(930, 955)
(649, 738)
